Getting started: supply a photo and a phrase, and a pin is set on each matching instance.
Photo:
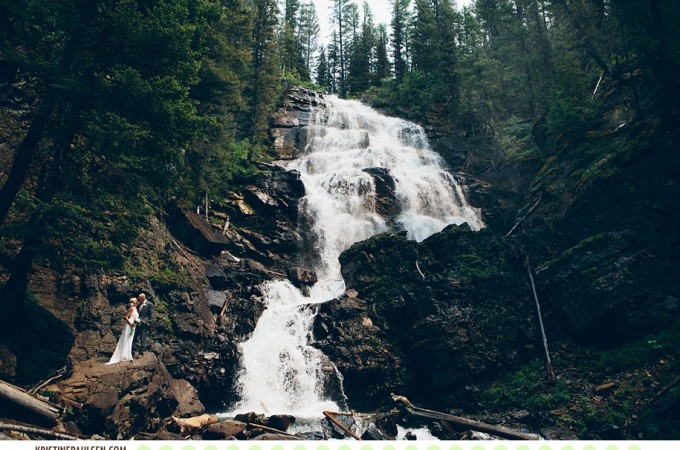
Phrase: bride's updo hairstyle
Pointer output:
(132, 302)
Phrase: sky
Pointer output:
(382, 13)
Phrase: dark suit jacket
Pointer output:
(145, 314)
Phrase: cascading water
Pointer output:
(281, 372)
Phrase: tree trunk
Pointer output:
(25, 152)
(13, 293)
(463, 422)
(38, 410)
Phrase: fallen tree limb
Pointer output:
(36, 388)
(35, 430)
(463, 422)
(665, 389)
(329, 416)
(272, 430)
(548, 362)
(37, 409)
(526, 214)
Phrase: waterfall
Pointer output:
(281, 372)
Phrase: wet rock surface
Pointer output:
(429, 317)
(288, 129)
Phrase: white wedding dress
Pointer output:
(123, 350)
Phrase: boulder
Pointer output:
(373, 434)
(129, 397)
(280, 421)
(196, 233)
(224, 430)
(216, 276)
(300, 275)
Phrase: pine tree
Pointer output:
(309, 33)
(114, 116)
(359, 74)
(263, 87)
(290, 45)
(381, 68)
(323, 77)
(400, 15)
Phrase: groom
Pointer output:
(145, 309)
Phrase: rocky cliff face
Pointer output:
(427, 319)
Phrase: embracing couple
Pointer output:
(137, 323)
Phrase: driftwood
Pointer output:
(38, 409)
(329, 416)
(548, 363)
(194, 423)
(463, 422)
(272, 430)
(35, 430)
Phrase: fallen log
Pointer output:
(31, 406)
(36, 431)
(463, 422)
(329, 416)
(192, 424)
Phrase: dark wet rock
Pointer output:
(333, 431)
(312, 435)
(218, 279)
(196, 233)
(387, 424)
(301, 275)
(386, 203)
(264, 218)
(466, 318)
(280, 421)
(251, 417)
(224, 430)
(372, 434)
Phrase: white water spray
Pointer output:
(281, 372)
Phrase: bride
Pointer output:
(123, 350)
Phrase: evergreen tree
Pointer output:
(263, 87)
(359, 73)
(309, 33)
(114, 116)
(290, 45)
(341, 11)
(334, 66)
(381, 68)
(400, 15)
(323, 77)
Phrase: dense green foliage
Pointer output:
(532, 60)
(135, 102)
